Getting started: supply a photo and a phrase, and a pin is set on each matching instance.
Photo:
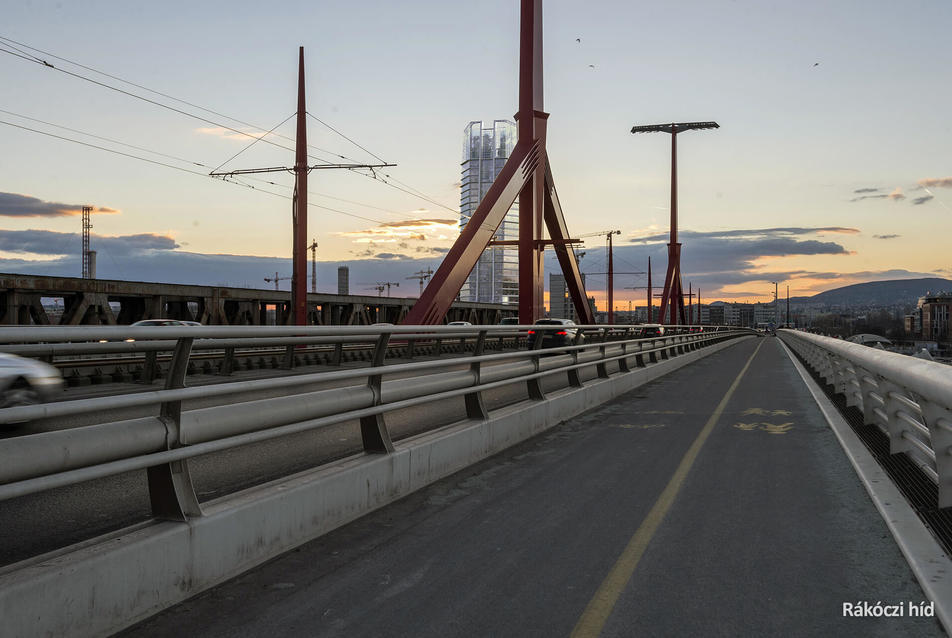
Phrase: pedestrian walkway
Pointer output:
(714, 501)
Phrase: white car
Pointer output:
(459, 323)
(27, 381)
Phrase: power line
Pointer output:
(253, 143)
(159, 104)
(103, 148)
(184, 170)
(377, 157)
(100, 137)
(32, 58)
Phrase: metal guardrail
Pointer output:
(164, 443)
(909, 399)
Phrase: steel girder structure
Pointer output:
(528, 176)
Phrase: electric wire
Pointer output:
(9, 42)
(377, 157)
(161, 105)
(253, 143)
(184, 170)
(33, 58)
(105, 139)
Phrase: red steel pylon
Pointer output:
(528, 176)
(672, 296)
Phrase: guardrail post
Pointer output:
(534, 386)
(438, 347)
(373, 428)
(288, 362)
(600, 367)
(475, 408)
(939, 421)
(623, 362)
(171, 492)
(411, 344)
(227, 362)
(640, 357)
(653, 353)
(151, 368)
(338, 354)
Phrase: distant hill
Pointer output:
(879, 293)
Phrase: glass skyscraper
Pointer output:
(495, 279)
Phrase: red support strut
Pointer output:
(528, 176)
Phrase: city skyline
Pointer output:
(831, 166)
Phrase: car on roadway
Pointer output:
(652, 330)
(27, 381)
(459, 323)
(555, 337)
(160, 322)
(509, 321)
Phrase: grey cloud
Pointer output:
(46, 242)
(921, 200)
(856, 199)
(16, 205)
(752, 232)
(886, 236)
(866, 190)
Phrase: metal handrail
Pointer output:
(909, 399)
(41, 461)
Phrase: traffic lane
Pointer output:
(54, 519)
(772, 531)
(511, 546)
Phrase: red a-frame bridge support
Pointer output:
(527, 175)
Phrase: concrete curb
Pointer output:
(102, 586)
(928, 561)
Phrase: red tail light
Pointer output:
(532, 332)
(561, 333)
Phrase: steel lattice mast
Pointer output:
(528, 176)
(672, 294)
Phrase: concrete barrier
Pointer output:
(112, 582)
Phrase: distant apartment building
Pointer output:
(930, 319)
(495, 279)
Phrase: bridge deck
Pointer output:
(714, 501)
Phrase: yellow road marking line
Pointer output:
(600, 607)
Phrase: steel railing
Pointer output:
(908, 398)
(163, 444)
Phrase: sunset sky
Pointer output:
(833, 163)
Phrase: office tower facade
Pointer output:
(495, 278)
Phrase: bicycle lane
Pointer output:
(769, 532)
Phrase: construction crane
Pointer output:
(275, 279)
(380, 286)
(423, 276)
(313, 249)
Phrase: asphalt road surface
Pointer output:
(714, 501)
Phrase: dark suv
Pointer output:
(554, 337)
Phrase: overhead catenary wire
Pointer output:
(179, 168)
(253, 143)
(5, 41)
(105, 139)
(177, 158)
(9, 42)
